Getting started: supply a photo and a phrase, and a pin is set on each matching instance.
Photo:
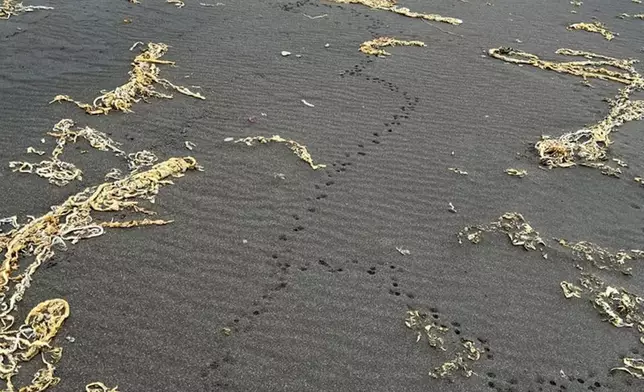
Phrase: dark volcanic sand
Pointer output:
(317, 295)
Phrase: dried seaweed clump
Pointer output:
(11, 8)
(594, 27)
(460, 362)
(301, 151)
(390, 5)
(513, 224)
(434, 333)
(621, 308)
(516, 172)
(70, 221)
(427, 328)
(632, 366)
(374, 46)
(143, 77)
(602, 258)
(587, 146)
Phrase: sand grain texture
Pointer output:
(317, 294)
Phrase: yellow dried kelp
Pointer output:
(374, 46)
(570, 290)
(587, 145)
(460, 361)
(632, 366)
(60, 172)
(143, 77)
(11, 8)
(70, 221)
(594, 27)
(434, 333)
(516, 172)
(99, 387)
(513, 225)
(603, 258)
(390, 5)
(298, 149)
(424, 327)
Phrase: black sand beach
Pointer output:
(301, 265)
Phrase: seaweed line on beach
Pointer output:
(39, 238)
(587, 146)
(373, 47)
(143, 76)
(298, 149)
(390, 5)
(594, 27)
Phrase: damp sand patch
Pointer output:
(144, 76)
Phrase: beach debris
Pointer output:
(602, 258)
(588, 145)
(390, 5)
(374, 46)
(59, 172)
(141, 85)
(513, 224)
(457, 170)
(327, 45)
(39, 238)
(10, 8)
(300, 150)
(570, 290)
(594, 27)
(576, 3)
(285, 53)
(426, 328)
(459, 363)
(31, 150)
(99, 387)
(639, 180)
(605, 169)
(451, 208)
(308, 104)
(620, 162)
(70, 339)
(226, 331)
(516, 172)
(190, 145)
(404, 252)
(176, 3)
(316, 17)
(633, 366)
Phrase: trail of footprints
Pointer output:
(392, 283)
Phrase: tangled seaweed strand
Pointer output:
(373, 47)
(512, 224)
(298, 149)
(11, 8)
(390, 5)
(70, 221)
(143, 76)
(594, 27)
(588, 145)
(60, 172)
